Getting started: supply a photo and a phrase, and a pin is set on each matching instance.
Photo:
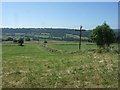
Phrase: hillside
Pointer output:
(38, 34)
(34, 66)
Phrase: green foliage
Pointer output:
(9, 39)
(103, 35)
(21, 41)
(118, 39)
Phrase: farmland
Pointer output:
(39, 34)
(34, 66)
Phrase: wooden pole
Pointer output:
(80, 36)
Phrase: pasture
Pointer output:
(34, 66)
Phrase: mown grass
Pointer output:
(72, 46)
(32, 66)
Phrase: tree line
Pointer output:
(102, 35)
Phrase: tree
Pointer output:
(45, 42)
(103, 35)
(9, 39)
(27, 39)
(118, 39)
(21, 41)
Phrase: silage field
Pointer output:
(33, 66)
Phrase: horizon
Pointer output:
(52, 28)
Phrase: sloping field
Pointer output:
(32, 66)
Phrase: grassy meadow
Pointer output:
(34, 66)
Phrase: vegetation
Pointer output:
(59, 64)
(41, 34)
(9, 39)
(45, 41)
(21, 41)
(103, 35)
(34, 66)
(118, 39)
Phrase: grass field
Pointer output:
(33, 66)
(72, 46)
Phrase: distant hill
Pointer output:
(46, 33)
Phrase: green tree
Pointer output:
(103, 35)
(21, 41)
(118, 39)
(9, 39)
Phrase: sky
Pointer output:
(59, 14)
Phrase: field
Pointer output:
(35, 66)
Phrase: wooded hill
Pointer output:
(38, 34)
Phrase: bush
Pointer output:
(21, 41)
(9, 39)
(45, 41)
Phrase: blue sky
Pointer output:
(59, 14)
